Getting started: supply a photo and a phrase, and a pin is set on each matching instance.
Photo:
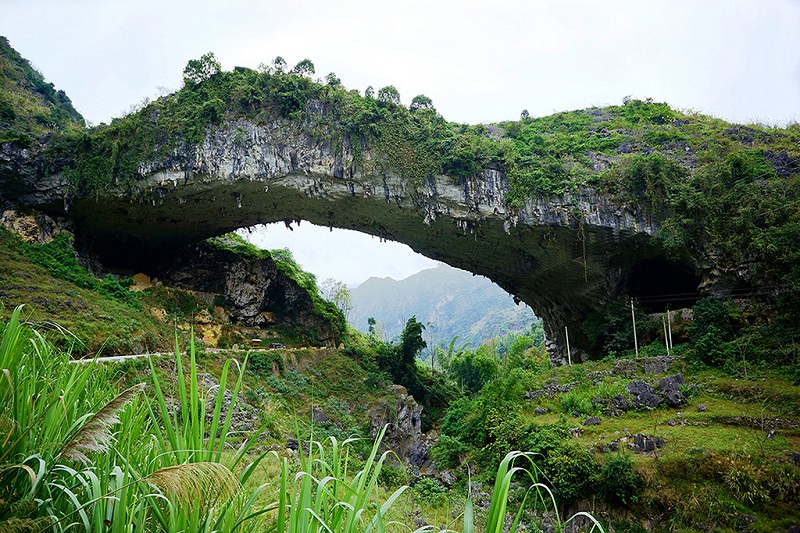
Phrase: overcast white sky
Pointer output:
(479, 61)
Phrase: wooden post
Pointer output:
(569, 355)
(635, 340)
(666, 338)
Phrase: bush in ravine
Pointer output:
(430, 491)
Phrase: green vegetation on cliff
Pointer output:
(29, 105)
(331, 315)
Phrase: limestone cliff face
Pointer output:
(256, 293)
(403, 423)
(25, 180)
(565, 256)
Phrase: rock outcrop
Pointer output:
(643, 396)
(403, 421)
(255, 292)
(565, 256)
(670, 388)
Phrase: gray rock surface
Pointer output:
(402, 419)
(670, 389)
(257, 293)
(643, 396)
(592, 421)
(245, 173)
(646, 443)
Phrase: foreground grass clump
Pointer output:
(66, 461)
(77, 454)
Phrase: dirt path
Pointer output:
(120, 358)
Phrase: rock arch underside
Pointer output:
(564, 256)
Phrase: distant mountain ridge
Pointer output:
(447, 300)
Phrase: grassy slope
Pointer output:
(717, 466)
(283, 385)
(101, 324)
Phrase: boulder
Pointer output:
(646, 443)
(670, 388)
(620, 403)
(318, 415)
(592, 421)
(795, 458)
(643, 396)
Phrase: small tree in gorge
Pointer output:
(411, 342)
(401, 362)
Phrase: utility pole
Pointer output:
(569, 354)
(635, 340)
(669, 327)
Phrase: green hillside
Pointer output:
(30, 105)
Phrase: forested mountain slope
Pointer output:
(450, 302)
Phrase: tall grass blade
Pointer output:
(469, 516)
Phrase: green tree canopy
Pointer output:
(411, 342)
(279, 64)
(199, 70)
(304, 68)
(389, 95)
(474, 369)
(421, 102)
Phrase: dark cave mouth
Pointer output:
(659, 284)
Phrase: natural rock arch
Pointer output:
(564, 256)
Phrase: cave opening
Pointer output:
(659, 284)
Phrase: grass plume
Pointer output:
(203, 482)
(95, 435)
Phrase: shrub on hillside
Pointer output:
(570, 471)
(618, 482)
